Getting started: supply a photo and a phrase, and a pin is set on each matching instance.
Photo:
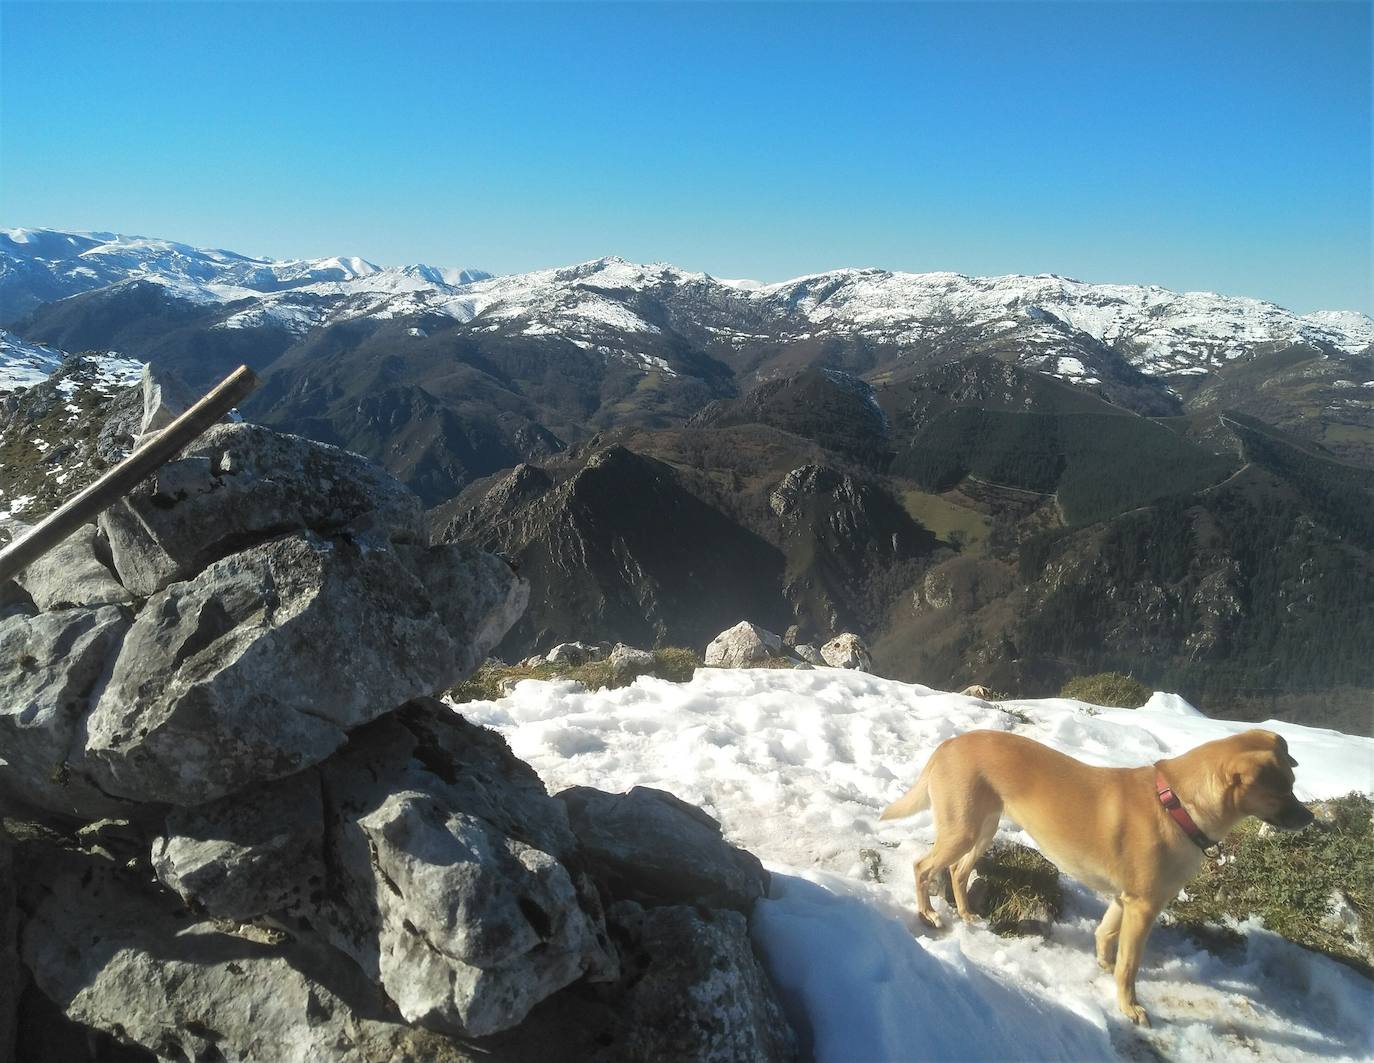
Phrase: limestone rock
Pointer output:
(452, 891)
(627, 661)
(702, 997)
(165, 398)
(808, 653)
(71, 575)
(242, 483)
(648, 845)
(741, 645)
(475, 594)
(250, 854)
(117, 955)
(259, 666)
(572, 654)
(49, 665)
(847, 651)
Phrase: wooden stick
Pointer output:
(119, 481)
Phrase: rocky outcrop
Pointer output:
(454, 871)
(251, 835)
(49, 665)
(651, 846)
(72, 575)
(741, 646)
(165, 398)
(260, 665)
(250, 854)
(242, 483)
(729, 1011)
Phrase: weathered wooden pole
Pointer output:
(119, 481)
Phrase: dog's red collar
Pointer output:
(1175, 808)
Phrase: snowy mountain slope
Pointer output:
(1054, 322)
(24, 364)
(609, 343)
(1058, 325)
(797, 765)
(41, 265)
(58, 434)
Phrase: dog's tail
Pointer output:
(917, 799)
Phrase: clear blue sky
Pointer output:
(1202, 145)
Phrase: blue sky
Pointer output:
(1224, 146)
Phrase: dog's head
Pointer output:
(1260, 780)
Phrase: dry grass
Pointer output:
(673, 663)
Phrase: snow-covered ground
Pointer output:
(797, 766)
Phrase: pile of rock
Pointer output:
(237, 828)
(746, 645)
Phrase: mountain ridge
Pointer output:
(528, 363)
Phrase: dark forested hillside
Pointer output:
(971, 542)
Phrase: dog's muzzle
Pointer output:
(1295, 817)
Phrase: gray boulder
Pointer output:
(572, 654)
(117, 955)
(242, 483)
(648, 845)
(248, 855)
(627, 661)
(71, 575)
(808, 653)
(702, 996)
(260, 666)
(847, 651)
(742, 645)
(451, 887)
(49, 665)
(690, 991)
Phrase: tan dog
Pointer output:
(1110, 828)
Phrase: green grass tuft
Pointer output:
(1288, 879)
(673, 663)
(1107, 688)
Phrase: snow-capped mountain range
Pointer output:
(1051, 319)
(467, 373)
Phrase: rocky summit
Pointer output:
(235, 826)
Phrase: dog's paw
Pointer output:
(931, 920)
(1106, 964)
(1136, 1014)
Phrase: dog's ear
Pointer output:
(1282, 749)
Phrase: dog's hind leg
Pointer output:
(948, 848)
(1107, 933)
(959, 828)
(960, 872)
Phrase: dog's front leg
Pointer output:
(1106, 935)
(1137, 918)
